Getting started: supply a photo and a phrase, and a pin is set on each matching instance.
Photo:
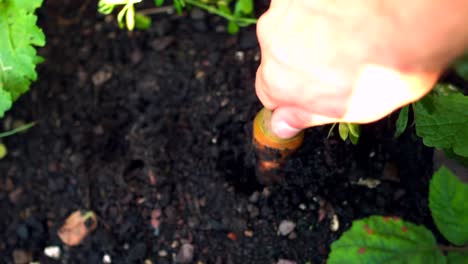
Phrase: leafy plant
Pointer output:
(379, 239)
(19, 35)
(347, 130)
(441, 119)
(239, 13)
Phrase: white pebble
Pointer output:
(106, 259)
(286, 227)
(52, 252)
(334, 224)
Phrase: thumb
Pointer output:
(286, 122)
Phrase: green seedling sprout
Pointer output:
(128, 11)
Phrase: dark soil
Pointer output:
(132, 123)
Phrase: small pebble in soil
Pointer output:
(292, 235)
(368, 182)
(162, 253)
(254, 197)
(232, 236)
(106, 259)
(197, 14)
(21, 256)
(334, 224)
(286, 227)
(248, 233)
(302, 206)
(240, 56)
(52, 252)
(101, 76)
(185, 254)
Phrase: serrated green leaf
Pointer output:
(402, 121)
(457, 258)
(158, 2)
(378, 239)
(18, 57)
(446, 89)
(448, 198)
(343, 130)
(442, 122)
(5, 101)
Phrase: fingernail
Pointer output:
(284, 130)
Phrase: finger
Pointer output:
(279, 5)
(379, 91)
(260, 88)
(286, 122)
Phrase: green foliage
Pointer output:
(239, 13)
(378, 239)
(448, 201)
(128, 11)
(3, 151)
(142, 22)
(402, 121)
(349, 130)
(442, 121)
(461, 66)
(18, 57)
(457, 258)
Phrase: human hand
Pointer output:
(339, 61)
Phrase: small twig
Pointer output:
(453, 249)
(157, 10)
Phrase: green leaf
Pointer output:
(402, 121)
(448, 198)
(343, 130)
(232, 28)
(355, 129)
(461, 66)
(442, 122)
(18, 57)
(5, 101)
(142, 22)
(179, 5)
(3, 151)
(244, 7)
(457, 258)
(378, 239)
(158, 2)
(353, 138)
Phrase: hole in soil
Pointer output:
(133, 166)
(238, 173)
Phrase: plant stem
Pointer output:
(157, 10)
(243, 21)
(453, 249)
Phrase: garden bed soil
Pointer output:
(132, 124)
